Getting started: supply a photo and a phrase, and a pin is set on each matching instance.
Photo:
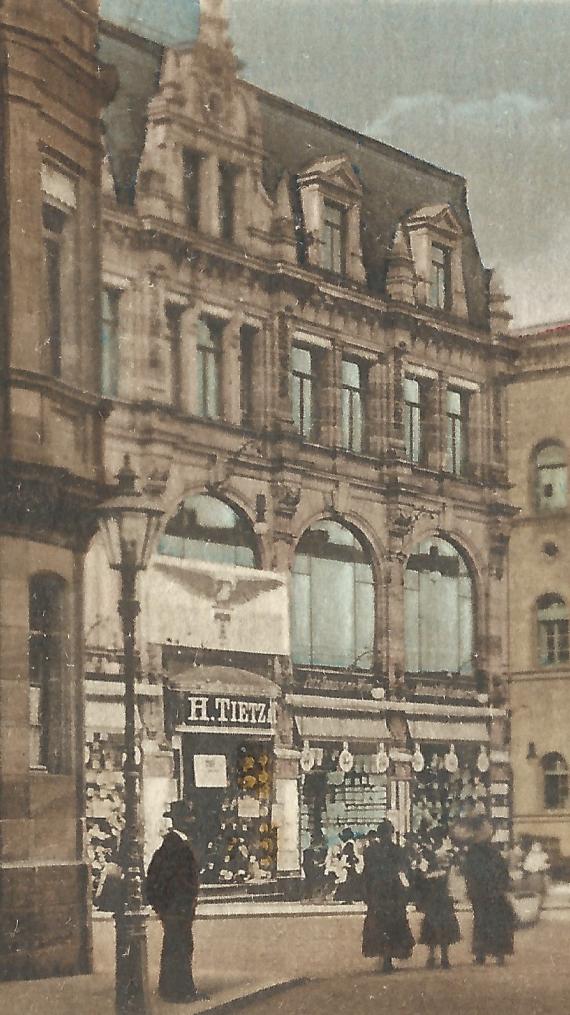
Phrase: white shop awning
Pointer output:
(448, 732)
(326, 727)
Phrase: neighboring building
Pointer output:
(539, 584)
(305, 358)
(50, 470)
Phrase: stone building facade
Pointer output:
(306, 361)
(51, 470)
(539, 592)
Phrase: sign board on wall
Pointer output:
(210, 771)
(215, 606)
(225, 712)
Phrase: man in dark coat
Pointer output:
(172, 891)
(386, 932)
(487, 878)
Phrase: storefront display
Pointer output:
(454, 782)
(332, 799)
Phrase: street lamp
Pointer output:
(129, 524)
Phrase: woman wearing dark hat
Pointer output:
(172, 891)
(386, 932)
(487, 877)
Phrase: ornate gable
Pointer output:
(334, 171)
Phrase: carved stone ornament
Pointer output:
(287, 500)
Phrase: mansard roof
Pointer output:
(394, 184)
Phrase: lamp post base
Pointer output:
(132, 993)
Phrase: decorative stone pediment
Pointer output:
(439, 218)
(335, 172)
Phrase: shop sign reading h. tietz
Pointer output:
(217, 710)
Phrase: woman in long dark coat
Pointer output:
(487, 876)
(386, 932)
(440, 927)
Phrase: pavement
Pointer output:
(304, 955)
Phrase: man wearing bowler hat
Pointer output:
(172, 891)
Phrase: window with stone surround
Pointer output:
(60, 265)
(110, 302)
(47, 648)
(555, 775)
(352, 405)
(551, 478)
(333, 238)
(208, 529)
(303, 393)
(457, 414)
(246, 350)
(174, 312)
(439, 293)
(191, 163)
(227, 199)
(208, 373)
(414, 411)
(552, 619)
(333, 599)
(439, 611)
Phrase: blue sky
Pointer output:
(481, 87)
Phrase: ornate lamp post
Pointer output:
(129, 524)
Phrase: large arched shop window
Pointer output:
(47, 641)
(551, 478)
(439, 610)
(555, 772)
(205, 528)
(332, 599)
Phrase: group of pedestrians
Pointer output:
(391, 881)
(385, 875)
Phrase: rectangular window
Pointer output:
(413, 422)
(46, 667)
(457, 424)
(174, 334)
(352, 406)
(53, 225)
(191, 169)
(302, 391)
(246, 345)
(553, 642)
(439, 290)
(333, 238)
(110, 300)
(226, 199)
(208, 367)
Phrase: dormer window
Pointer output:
(331, 198)
(439, 288)
(333, 238)
(436, 241)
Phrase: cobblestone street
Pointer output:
(237, 957)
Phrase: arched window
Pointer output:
(439, 610)
(332, 599)
(205, 528)
(46, 660)
(551, 478)
(555, 772)
(552, 618)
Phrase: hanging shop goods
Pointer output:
(382, 760)
(345, 759)
(418, 760)
(483, 760)
(332, 799)
(104, 804)
(244, 846)
(447, 789)
(307, 759)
